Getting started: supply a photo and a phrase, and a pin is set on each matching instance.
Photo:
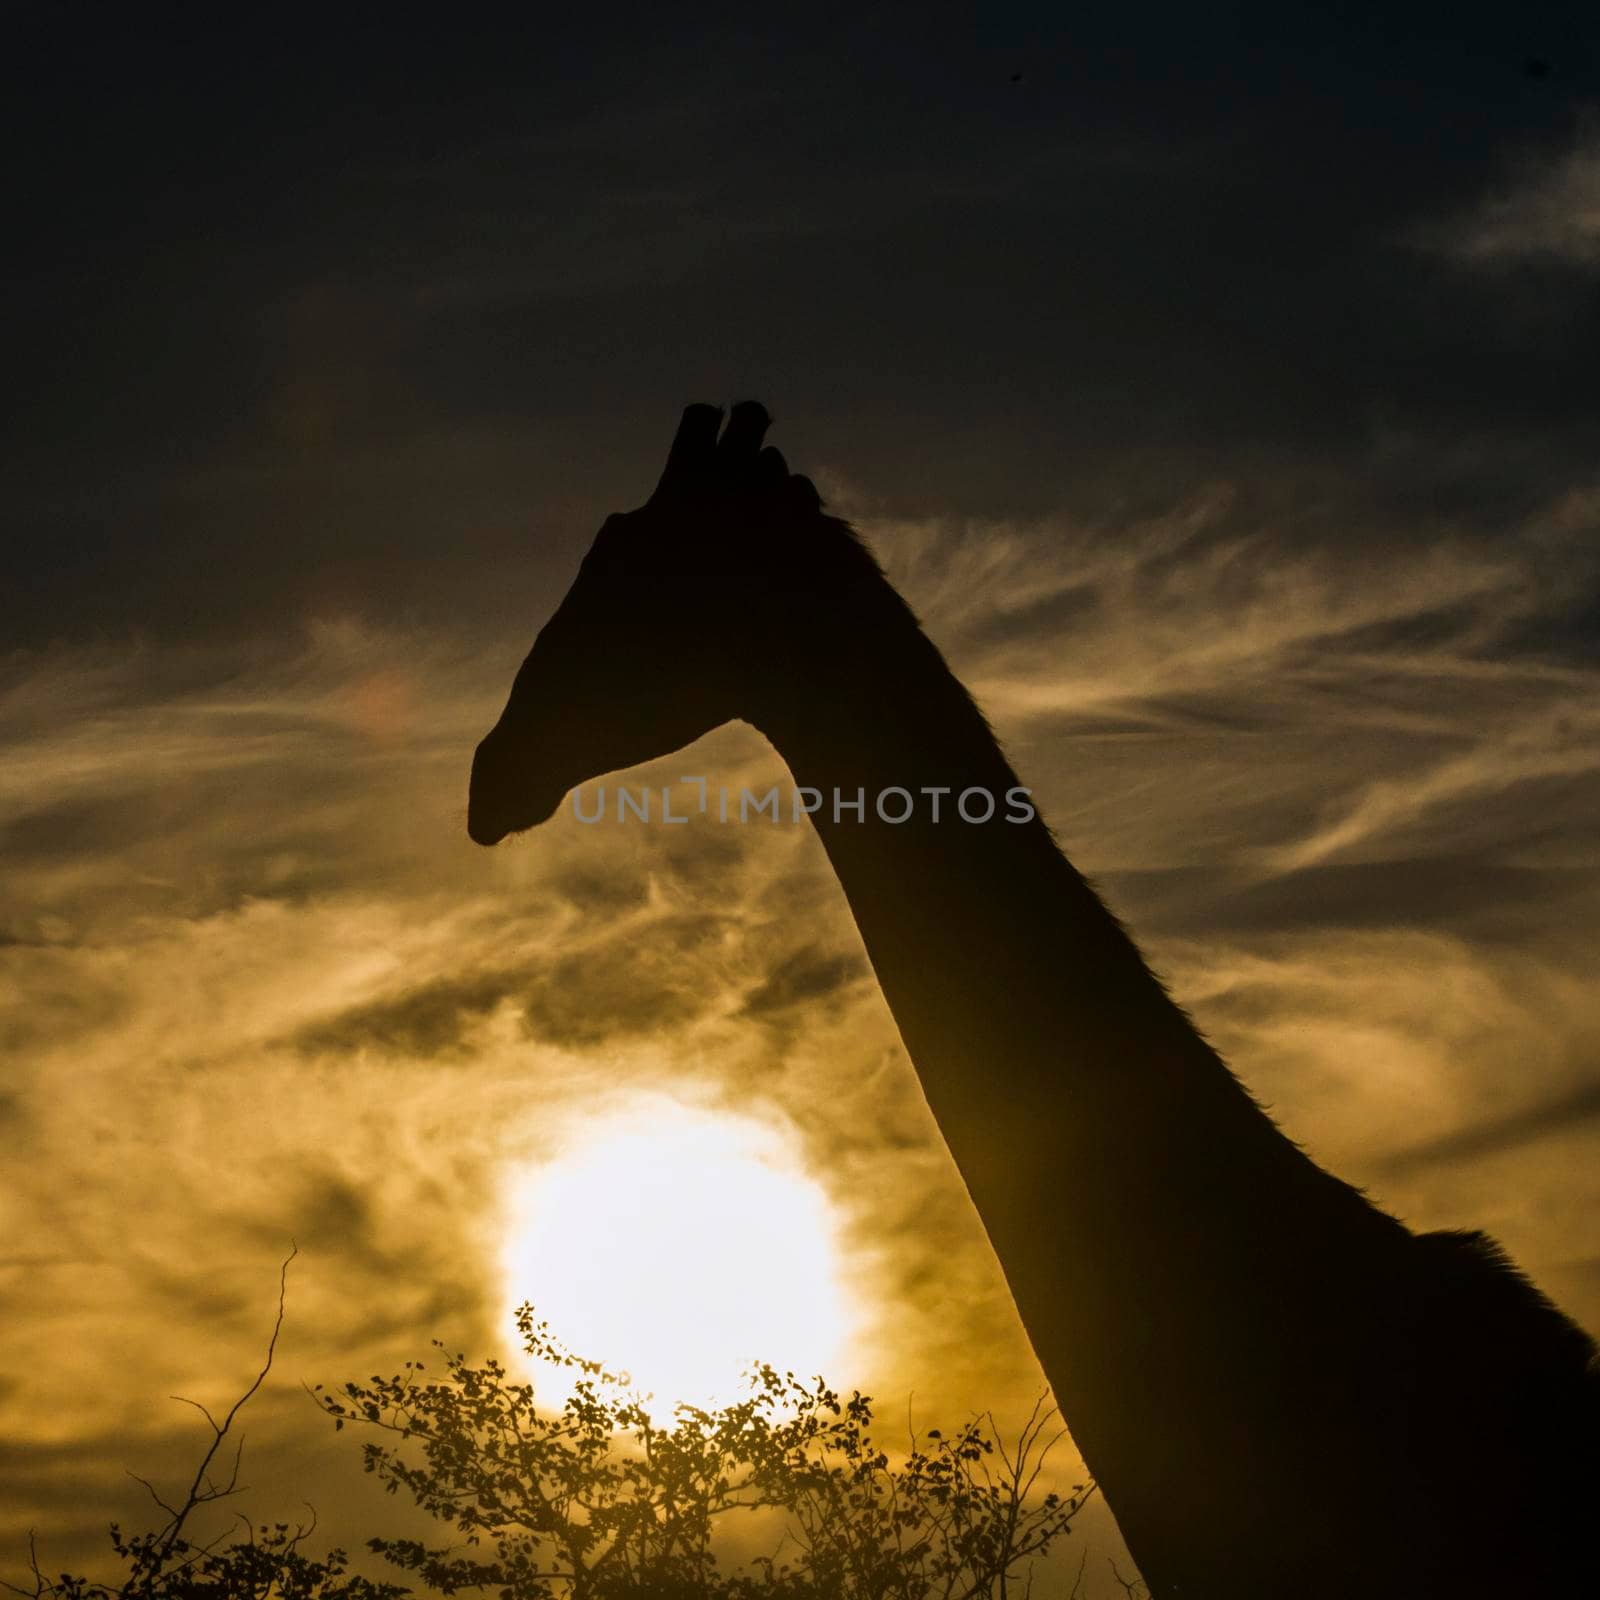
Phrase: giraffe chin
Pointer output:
(488, 827)
(500, 803)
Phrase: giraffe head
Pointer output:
(674, 609)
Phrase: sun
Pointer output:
(680, 1246)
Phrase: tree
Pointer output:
(598, 1501)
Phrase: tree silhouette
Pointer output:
(598, 1500)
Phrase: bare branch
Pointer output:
(198, 1492)
(150, 1489)
(184, 1400)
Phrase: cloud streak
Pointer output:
(1547, 213)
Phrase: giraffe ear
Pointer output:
(693, 449)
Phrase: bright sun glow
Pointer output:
(680, 1246)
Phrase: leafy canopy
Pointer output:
(597, 1500)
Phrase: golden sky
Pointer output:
(260, 988)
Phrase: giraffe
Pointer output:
(1280, 1389)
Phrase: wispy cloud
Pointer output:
(1421, 663)
(1545, 210)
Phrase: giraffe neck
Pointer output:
(1161, 1238)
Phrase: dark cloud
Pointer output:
(63, 831)
(429, 1021)
(809, 975)
(64, 1002)
(343, 1231)
(1562, 1114)
(1447, 892)
(590, 888)
(331, 1213)
(646, 977)
(358, 333)
(76, 1484)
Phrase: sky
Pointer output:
(1217, 385)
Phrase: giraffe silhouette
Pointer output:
(1282, 1391)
